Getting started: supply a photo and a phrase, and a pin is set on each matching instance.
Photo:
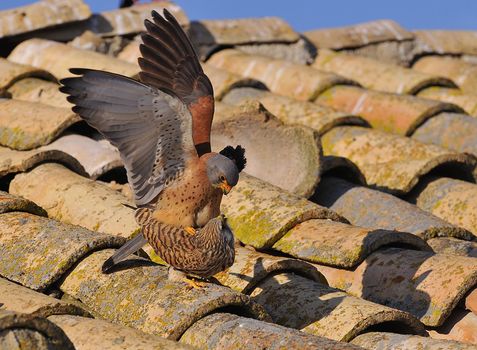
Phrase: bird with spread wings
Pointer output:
(161, 126)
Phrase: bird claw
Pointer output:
(193, 284)
(190, 230)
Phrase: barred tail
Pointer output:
(122, 253)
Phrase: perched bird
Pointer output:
(209, 251)
(161, 127)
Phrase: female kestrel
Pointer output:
(161, 127)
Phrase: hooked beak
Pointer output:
(225, 187)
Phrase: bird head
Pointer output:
(222, 172)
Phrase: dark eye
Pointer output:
(222, 178)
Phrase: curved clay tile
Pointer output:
(44, 54)
(18, 330)
(61, 192)
(465, 101)
(37, 251)
(357, 35)
(130, 20)
(461, 326)
(382, 210)
(251, 268)
(464, 74)
(38, 90)
(454, 246)
(378, 75)
(343, 168)
(141, 296)
(452, 200)
(96, 157)
(41, 14)
(11, 72)
(12, 161)
(27, 125)
(224, 331)
(447, 41)
(17, 298)
(281, 77)
(9, 203)
(400, 53)
(292, 111)
(130, 53)
(265, 138)
(398, 114)
(385, 340)
(450, 130)
(427, 285)
(296, 302)
(393, 163)
(90, 334)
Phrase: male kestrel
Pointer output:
(161, 127)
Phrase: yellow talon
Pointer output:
(190, 230)
(193, 284)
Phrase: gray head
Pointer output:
(222, 172)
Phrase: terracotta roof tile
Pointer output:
(427, 285)
(19, 330)
(41, 14)
(450, 245)
(26, 125)
(462, 73)
(91, 334)
(282, 77)
(450, 130)
(12, 161)
(291, 111)
(450, 199)
(44, 54)
(265, 137)
(389, 162)
(60, 192)
(11, 72)
(38, 90)
(358, 35)
(39, 267)
(382, 210)
(461, 326)
(10, 203)
(225, 331)
(465, 101)
(297, 302)
(130, 20)
(378, 75)
(448, 41)
(343, 168)
(379, 340)
(399, 114)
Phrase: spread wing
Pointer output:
(151, 129)
(169, 63)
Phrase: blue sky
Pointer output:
(310, 14)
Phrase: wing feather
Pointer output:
(151, 129)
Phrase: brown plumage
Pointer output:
(161, 127)
(207, 252)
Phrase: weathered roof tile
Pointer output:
(265, 138)
(297, 302)
(76, 200)
(10, 203)
(398, 114)
(464, 74)
(454, 246)
(26, 125)
(358, 35)
(461, 327)
(465, 101)
(382, 210)
(427, 285)
(447, 41)
(291, 111)
(386, 340)
(389, 162)
(41, 14)
(38, 90)
(11, 72)
(378, 75)
(44, 54)
(284, 78)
